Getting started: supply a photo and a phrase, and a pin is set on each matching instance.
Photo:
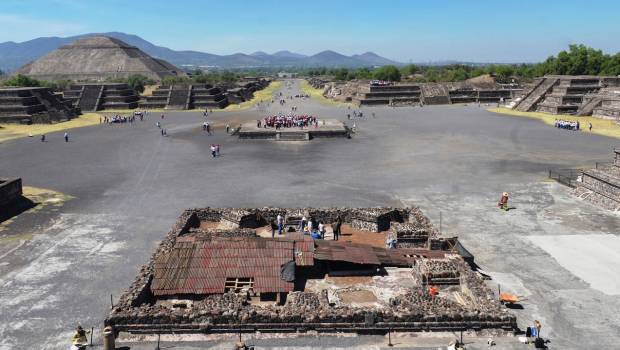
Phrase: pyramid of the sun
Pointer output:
(96, 59)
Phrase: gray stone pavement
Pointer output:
(129, 185)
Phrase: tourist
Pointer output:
(273, 228)
(42, 137)
(66, 137)
(337, 227)
(227, 129)
(280, 221)
(161, 132)
(165, 132)
(310, 224)
(212, 150)
(208, 129)
(217, 150)
(321, 229)
(302, 223)
(162, 116)
(503, 201)
(590, 127)
(204, 126)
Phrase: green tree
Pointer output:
(138, 82)
(22, 80)
(410, 69)
(389, 73)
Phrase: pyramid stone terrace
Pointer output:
(180, 96)
(565, 94)
(220, 270)
(98, 58)
(94, 97)
(429, 93)
(37, 105)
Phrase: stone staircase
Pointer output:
(94, 97)
(536, 94)
(178, 97)
(89, 98)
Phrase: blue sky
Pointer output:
(416, 31)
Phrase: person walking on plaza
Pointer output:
(227, 128)
(590, 127)
(66, 137)
(217, 150)
(503, 201)
(212, 150)
(42, 137)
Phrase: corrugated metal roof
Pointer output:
(202, 267)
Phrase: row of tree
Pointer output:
(135, 81)
(578, 60)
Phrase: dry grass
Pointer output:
(603, 127)
(317, 94)
(13, 131)
(265, 94)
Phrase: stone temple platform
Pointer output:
(326, 128)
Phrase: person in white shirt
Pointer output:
(322, 230)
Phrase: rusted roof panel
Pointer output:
(202, 267)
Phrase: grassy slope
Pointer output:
(13, 131)
(603, 127)
(265, 94)
(317, 94)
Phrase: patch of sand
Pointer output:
(600, 126)
(13, 131)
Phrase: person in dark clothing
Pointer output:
(273, 228)
(337, 228)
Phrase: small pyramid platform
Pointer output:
(34, 105)
(98, 58)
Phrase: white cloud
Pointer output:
(21, 28)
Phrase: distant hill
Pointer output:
(14, 55)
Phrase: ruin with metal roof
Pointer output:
(220, 270)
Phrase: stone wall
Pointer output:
(10, 191)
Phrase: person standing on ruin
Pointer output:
(280, 222)
(337, 227)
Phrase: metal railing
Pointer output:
(568, 177)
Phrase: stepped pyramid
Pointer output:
(96, 59)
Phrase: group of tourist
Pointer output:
(118, 119)
(288, 121)
(567, 124)
(380, 83)
(309, 226)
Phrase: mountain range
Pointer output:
(14, 55)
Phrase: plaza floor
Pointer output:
(126, 184)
